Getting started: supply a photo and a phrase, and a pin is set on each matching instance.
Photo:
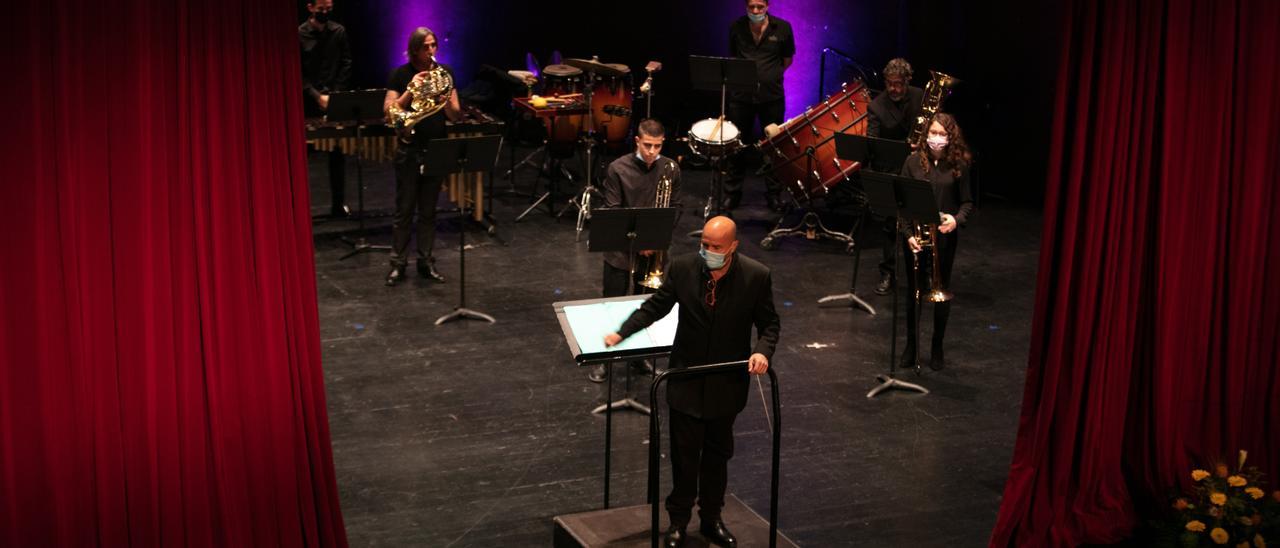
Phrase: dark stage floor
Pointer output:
(472, 434)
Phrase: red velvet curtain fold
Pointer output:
(161, 379)
(1154, 344)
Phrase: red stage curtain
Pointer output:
(160, 380)
(1154, 345)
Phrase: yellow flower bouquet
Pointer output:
(1223, 508)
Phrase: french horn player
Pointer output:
(420, 96)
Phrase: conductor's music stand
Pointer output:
(883, 198)
(724, 74)
(461, 155)
(359, 108)
(585, 324)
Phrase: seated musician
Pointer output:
(413, 189)
(632, 181)
(892, 115)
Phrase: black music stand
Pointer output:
(724, 74)
(462, 155)
(360, 108)
(889, 195)
(586, 342)
(628, 229)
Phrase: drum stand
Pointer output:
(810, 224)
(582, 202)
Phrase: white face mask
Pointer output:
(756, 17)
(937, 142)
(713, 260)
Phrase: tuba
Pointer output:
(657, 262)
(935, 91)
(429, 96)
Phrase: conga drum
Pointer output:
(612, 125)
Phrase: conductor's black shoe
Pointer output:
(886, 284)
(674, 537)
(718, 534)
(395, 276)
(427, 269)
(936, 360)
(598, 373)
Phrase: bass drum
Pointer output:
(611, 103)
(562, 131)
(713, 139)
(802, 152)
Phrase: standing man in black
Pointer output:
(632, 181)
(415, 191)
(892, 115)
(767, 40)
(326, 67)
(722, 295)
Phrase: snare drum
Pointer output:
(707, 142)
(611, 92)
(562, 131)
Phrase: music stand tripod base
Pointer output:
(465, 314)
(624, 403)
(852, 298)
(888, 381)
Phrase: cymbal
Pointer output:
(594, 66)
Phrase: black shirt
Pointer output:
(889, 119)
(776, 44)
(431, 127)
(326, 59)
(954, 194)
(712, 334)
(628, 182)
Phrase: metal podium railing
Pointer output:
(655, 439)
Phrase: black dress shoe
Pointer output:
(395, 276)
(936, 360)
(674, 537)
(886, 284)
(427, 269)
(718, 534)
(599, 373)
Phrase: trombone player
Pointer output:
(407, 90)
(944, 163)
(633, 180)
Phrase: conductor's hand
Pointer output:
(757, 364)
(914, 244)
(612, 339)
(948, 223)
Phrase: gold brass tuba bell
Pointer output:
(429, 96)
(657, 262)
(935, 91)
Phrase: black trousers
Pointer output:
(700, 453)
(744, 114)
(337, 182)
(889, 234)
(615, 282)
(414, 192)
(941, 311)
